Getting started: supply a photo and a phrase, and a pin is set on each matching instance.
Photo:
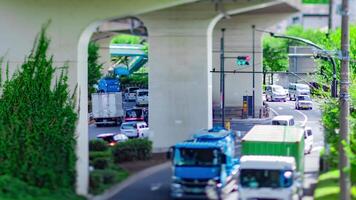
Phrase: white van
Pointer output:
(297, 89)
(275, 93)
(283, 120)
(142, 97)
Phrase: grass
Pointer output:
(328, 187)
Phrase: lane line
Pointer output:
(275, 112)
(305, 117)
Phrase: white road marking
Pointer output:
(275, 112)
(155, 186)
(305, 117)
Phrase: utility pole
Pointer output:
(222, 78)
(253, 71)
(330, 19)
(344, 163)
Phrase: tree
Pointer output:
(94, 68)
(37, 123)
(275, 56)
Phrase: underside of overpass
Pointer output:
(182, 37)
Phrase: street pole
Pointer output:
(222, 78)
(330, 25)
(344, 163)
(253, 71)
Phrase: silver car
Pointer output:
(303, 102)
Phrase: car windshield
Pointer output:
(258, 178)
(133, 90)
(133, 113)
(279, 122)
(278, 89)
(143, 94)
(196, 157)
(304, 98)
(302, 87)
(128, 126)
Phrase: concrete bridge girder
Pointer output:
(178, 108)
(180, 60)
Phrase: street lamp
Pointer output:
(323, 54)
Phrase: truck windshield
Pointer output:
(196, 157)
(280, 123)
(257, 178)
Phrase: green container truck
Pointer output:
(275, 141)
(272, 163)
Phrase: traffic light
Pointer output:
(243, 60)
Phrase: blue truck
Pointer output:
(109, 84)
(210, 157)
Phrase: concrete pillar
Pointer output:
(178, 78)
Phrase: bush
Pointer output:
(37, 122)
(101, 163)
(135, 149)
(103, 179)
(99, 154)
(98, 145)
(15, 189)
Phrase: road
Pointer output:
(156, 186)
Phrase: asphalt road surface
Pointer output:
(157, 186)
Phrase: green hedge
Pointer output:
(98, 145)
(134, 149)
(15, 189)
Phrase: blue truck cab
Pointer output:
(209, 157)
(108, 84)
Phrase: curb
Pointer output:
(132, 179)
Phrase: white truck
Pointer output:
(269, 177)
(107, 108)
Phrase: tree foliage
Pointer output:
(275, 55)
(94, 68)
(37, 122)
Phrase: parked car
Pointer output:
(283, 120)
(142, 97)
(303, 102)
(275, 93)
(296, 89)
(134, 129)
(308, 140)
(113, 138)
(130, 93)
